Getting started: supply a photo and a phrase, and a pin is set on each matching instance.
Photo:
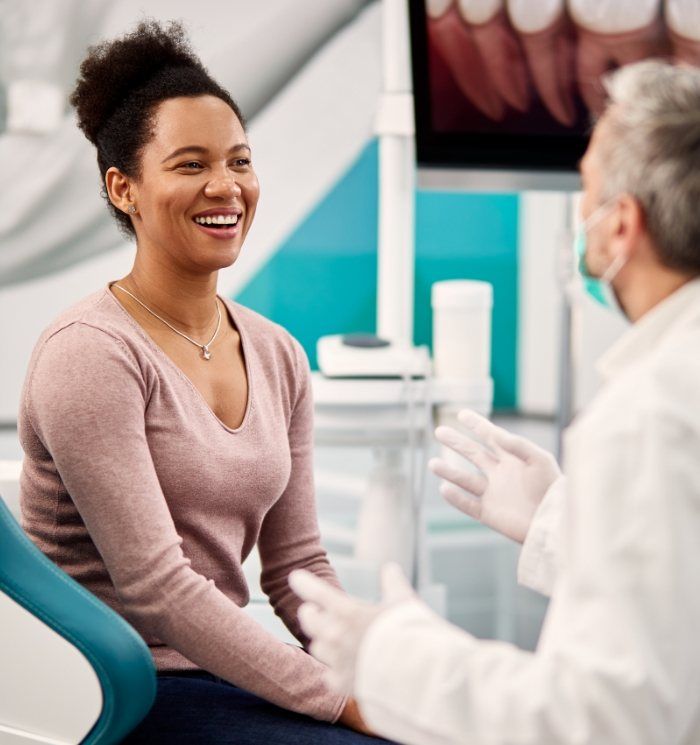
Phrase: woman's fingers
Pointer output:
(470, 481)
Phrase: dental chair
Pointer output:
(71, 669)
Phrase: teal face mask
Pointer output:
(591, 284)
(599, 288)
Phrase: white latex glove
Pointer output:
(514, 475)
(336, 623)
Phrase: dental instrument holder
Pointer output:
(370, 356)
(340, 357)
(375, 413)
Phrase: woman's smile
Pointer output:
(220, 223)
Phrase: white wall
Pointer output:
(26, 309)
(545, 249)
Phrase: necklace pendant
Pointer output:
(206, 353)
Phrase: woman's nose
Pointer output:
(223, 186)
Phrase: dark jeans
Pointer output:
(197, 708)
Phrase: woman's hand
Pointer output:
(352, 718)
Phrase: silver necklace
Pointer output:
(204, 347)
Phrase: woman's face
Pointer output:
(197, 194)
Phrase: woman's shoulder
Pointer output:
(91, 325)
(95, 309)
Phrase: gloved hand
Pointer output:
(514, 475)
(336, 622)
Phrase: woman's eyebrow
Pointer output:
(203, 150)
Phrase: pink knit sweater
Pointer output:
(135, 488)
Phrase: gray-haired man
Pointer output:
(616, 543)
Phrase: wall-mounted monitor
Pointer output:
(505, 90)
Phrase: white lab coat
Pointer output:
(618, 544)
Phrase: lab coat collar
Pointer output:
(644, 336)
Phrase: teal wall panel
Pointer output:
(323, 279)
(472, 236)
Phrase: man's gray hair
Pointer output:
(652, 151)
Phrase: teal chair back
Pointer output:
(42, 607)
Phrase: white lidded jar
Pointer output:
(462, 329)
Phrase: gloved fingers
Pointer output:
(395, 587)
(312, 619)
(464, 502)
(467, 447)
(482, 428)
(324, 651)
(519, 446)
(342, 683)
(498, 439)
(470, 481)
(311, 588)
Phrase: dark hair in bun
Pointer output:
(120, 86)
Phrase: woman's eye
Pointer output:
(241, 162)
(191, 165)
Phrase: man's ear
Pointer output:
(119, 189)
(629, 225)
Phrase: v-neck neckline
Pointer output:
(159, 350)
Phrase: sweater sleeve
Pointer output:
(289, 537)
(86, 400)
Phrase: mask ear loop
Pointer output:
(613, 270)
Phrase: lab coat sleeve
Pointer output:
(618, 659)
(540, 554)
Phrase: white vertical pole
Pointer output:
(395, 127)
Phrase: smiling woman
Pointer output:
(167, 431)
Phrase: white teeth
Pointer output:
(217, 220)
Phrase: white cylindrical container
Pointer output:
(462, 329)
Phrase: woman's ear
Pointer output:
(120, 190)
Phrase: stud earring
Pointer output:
(131, 209)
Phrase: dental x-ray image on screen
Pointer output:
(514, 84)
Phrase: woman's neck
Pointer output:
(188, 302)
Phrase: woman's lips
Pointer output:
(225, 232)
